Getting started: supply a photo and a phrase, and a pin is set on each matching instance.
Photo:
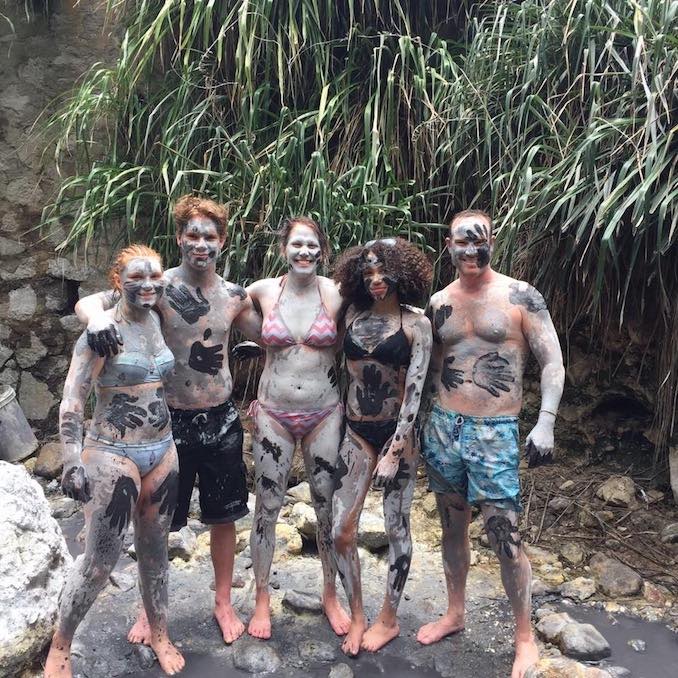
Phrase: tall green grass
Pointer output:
(385, 117)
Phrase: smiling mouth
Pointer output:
(379, 289)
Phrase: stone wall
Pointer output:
(40, 59)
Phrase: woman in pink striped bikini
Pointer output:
(298, 400)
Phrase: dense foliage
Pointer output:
(385, 117)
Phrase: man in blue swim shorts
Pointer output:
(484, 326)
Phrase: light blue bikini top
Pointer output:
(129, 368)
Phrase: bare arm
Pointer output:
(414, 387)
(435, 368)
(248, 321)
(85, 365)
(543, 341)
(103, 336)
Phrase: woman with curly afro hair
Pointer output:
(387, 347)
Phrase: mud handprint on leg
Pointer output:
(166, 494)
(401, 567)
(124, 497)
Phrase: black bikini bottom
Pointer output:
(376, 433)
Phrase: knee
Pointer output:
(344, 535)
(96, 569)
(397, 528)
(505, 540)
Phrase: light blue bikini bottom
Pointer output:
(145, 455)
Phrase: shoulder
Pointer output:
(521, 293)
(264, 286)
(233, 289)
(330, 291)
(416, 319)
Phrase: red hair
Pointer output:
(191, 205)
(125, 256)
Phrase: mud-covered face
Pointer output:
(470, 245)
(302, 250)
(142, 282)
(200, 243)
(378, 283)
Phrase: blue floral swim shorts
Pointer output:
(476, 457)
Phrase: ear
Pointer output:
(448, 242)
(178, 237)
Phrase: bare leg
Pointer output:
(273, 448)
(115, 488)
(455, 516)
(354, 474)
(501, 526)
(222, 548)
(321, 450)
(151, 526)
(397, 503)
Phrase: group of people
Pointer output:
(156, 351)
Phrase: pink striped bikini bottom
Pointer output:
(298, 424)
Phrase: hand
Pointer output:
(539, 446)
(246, 350)
(75, 484)
(103, 337)
(385, 471)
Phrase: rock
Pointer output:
(67, 270)
(614, 578)
(49, 463)
(655, 595)
(578, 589)
(182, 544)
(317, 651)
(64, 507)
(32, 571)
(341, 671)
(5, 354)
(123, 580)
(572, 553)
(145, 656)
(550, 626)
(287, 539)
(560, 505)
(618, 672)
(637, 645)
(583, 641)
(669, 535)
(371, 532)
(617, 491)
(255, 657)
(539, 588)
(561, 667)
(27, 356)
(303, 517)
(72, 325)
(567, 485)
(539, 556)
(301, 492)
(34, 397)
(302, 601)
(22, 303)
(9, 248)
(477, 529)
(429, 505)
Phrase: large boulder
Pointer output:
(34, 561)
(614, 578)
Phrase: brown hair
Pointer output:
(472, 213)
(409, 264)
(189, 205)
(124, 257)
(290, 222)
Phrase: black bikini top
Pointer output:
(395, 350)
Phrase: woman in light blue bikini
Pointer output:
(127, 467)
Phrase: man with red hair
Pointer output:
(197, 312)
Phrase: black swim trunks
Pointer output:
(209, 445)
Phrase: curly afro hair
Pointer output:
(401, 259)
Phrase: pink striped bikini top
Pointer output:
(321, 333)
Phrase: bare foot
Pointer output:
(336, 616)
(260, 624)
(437, 630)
(378, 635)
(351, 644)
(141, 631)
(170, 659)
(527, 654)
(229, 622)
(58, 663)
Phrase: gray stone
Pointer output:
(22, 303)
(341, 671)
(72, 325)
(562, 667)
(550, 626)
(567, 485)
(255, 657)
(617, 491)
(302, 601)
(669, 535)
(317, 651)
(35, 397)
(583, 641)
(303, 517)
(32, 570)
(578, 589)
(560, 505)
(371, 534)
(25, 269)
(64, 507)
(123, 580)
(181, 544)
(300, 492)
(572, 553)
(614, 578)
(67, 270)
(9, 377)
(10, 248)
(618, 671)
(637, 645)
(5, 354)
(27, 355)
(145, 656)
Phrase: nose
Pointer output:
(471, 251)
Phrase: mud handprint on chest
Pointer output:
(190, 308)
(206, 359)
(374, 392)
(493, 373)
